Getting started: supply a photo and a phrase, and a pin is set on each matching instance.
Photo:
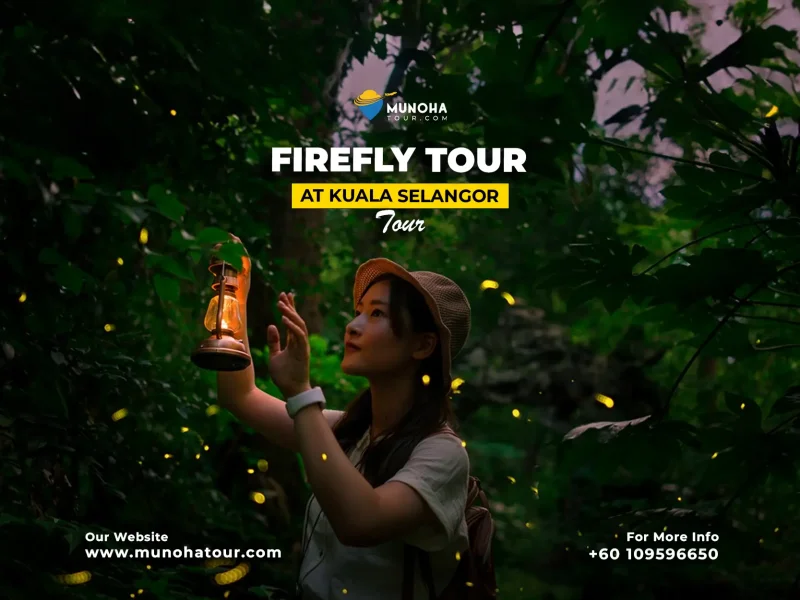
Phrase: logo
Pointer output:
(371, 102)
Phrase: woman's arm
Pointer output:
(237, 392)
(359, 514)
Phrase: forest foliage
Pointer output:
(135, 135)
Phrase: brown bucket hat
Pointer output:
(446, 301)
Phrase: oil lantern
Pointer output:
(222, 351)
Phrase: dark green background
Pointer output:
(672, 291)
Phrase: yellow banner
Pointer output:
(400, 195)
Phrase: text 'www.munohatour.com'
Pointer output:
(184, 553)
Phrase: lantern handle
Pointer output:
(220, 300)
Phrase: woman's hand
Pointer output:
(289, 367)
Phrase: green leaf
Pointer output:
(166, 202)
(167, 288)
(265, 591)
(361, 45)
(751, 49)
(170, 265)
(131, 214)
(212, 235)
(715, 273)
(592, 154)
(607, 429)
(394, 27)
(380, 48)
(13, 169)
(74, 539)
(788, 403)
(50, 256)
(69, 277)
(624, 115)
(182, 239)
(787, 227)
(745, 409)
(232, 253)
(613, 297)
(73, 224)
(67, 168)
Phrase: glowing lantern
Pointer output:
(222, 351)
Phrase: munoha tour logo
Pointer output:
(371, 102)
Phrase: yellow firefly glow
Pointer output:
(74, 578)
(604, 400)
(233, 575)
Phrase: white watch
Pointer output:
(297, 403)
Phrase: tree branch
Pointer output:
(773, 319)
(765, 303)
(677, 159)
(782, 292)
(551, 29)
(692, 243)
(774, 348)
(665, 409)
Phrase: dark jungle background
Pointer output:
(646, 273)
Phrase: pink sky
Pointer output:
(374, 73)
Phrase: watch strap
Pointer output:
(297, 403)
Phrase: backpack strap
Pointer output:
(410, 555)
(427, 573)
(408, 572)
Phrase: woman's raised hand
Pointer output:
(289, 367)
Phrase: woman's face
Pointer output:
(371, 347)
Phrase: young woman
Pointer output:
(384, 473)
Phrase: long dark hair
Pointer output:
(430, 410)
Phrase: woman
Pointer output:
(387, 473)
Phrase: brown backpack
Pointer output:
(474, 578)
